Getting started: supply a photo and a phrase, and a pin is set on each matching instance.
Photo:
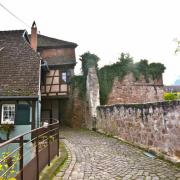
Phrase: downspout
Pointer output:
(39, 98)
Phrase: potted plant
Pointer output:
(7, 129)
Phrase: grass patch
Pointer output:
(56, 164)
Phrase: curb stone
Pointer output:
(66, 171)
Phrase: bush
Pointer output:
(178, 95)
(170, 96)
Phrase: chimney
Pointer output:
(34, 36)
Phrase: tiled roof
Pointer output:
(48, 42)
(19, 65)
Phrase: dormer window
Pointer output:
(8, 114)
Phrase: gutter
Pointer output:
(18, 97)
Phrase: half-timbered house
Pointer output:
(57, 69)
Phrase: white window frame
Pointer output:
(7, 121)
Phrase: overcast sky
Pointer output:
(144, 28)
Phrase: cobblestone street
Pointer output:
(95, 156)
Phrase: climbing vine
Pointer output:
(80, 83)
(88, 60)
(108, 73)
(125, 65)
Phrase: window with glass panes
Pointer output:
(8, 114)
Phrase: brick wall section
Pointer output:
(130, 91)
(152, 125)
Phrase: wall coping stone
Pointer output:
(142, 105)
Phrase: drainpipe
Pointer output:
(39, 98)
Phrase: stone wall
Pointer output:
(153, 125)
(92, 95)
(129, 90)
(84, 110)
(75, 111)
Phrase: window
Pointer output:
(64, 76)
(8, 114)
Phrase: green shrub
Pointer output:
(170, 96)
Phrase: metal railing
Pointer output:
(24, 156)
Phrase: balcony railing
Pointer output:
(23, 157)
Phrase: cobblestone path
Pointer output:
(95, 156)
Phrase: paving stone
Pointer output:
(95, 156)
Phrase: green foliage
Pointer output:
(108, 73)
(7, 129)
(156, 70)
(80, 83)
(171, 96)
(141, 67)
(121, 68)
(178, 95)
(88, 60)
(8, 165)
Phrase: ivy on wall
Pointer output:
(80, 83)
(121, 68)
(108, 73)
(88, 60)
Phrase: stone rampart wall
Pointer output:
(128, 90)
(153, 125)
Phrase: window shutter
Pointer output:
(22, 114)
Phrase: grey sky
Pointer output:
(144, 28)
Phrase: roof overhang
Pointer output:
(51, 66)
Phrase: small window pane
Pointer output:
(64, 76)
(8, 113)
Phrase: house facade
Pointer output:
(19, 82)
(57, 69)
(35, 71)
